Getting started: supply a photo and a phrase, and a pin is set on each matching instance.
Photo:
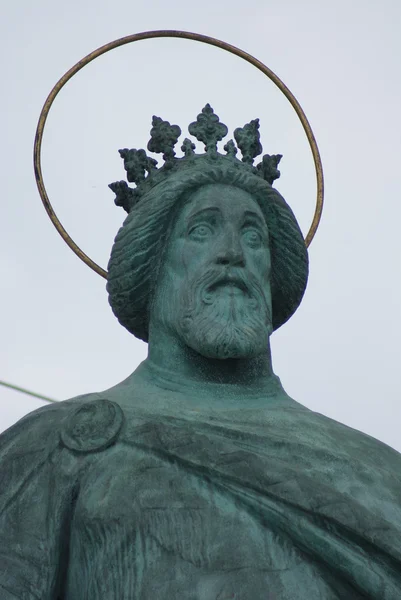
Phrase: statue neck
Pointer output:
(167, 353)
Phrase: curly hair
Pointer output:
(138, 248)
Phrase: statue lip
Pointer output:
(230, 280)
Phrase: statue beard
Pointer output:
(225, 315)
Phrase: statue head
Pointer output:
(210, 251)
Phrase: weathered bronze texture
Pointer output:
(198, 477)
(162, 190)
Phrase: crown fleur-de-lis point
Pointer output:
(135, 163)
(125, 196)
(268, 167)
(231, 148)
(188, 148)
(208, 129)
(163, 138)
(248, 141)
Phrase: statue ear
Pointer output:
(93, 426)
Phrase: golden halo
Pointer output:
(160, 34)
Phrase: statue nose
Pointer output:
(231, 254)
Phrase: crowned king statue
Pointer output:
(198, 477)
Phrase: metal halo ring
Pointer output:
(161, 34)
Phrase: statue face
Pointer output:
(214, 286)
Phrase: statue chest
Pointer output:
(164, 507)
(150, 522)
(156, 524)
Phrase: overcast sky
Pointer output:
(340, 353)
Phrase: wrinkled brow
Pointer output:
(248, 214)
(208, 209)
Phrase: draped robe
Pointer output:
(101, 498)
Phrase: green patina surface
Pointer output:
(198, 477)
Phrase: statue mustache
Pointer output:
(207, 282)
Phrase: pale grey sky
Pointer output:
(340, 353)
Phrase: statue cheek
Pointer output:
(174, 262)
(261, 265)
(192, 255)
(180, 265)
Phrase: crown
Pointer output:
(143, 171)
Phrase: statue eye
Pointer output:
(200, 232)
(253, 238)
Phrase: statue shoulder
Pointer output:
(92, 425)
(35, 430)
(83, 424)
(325, 433)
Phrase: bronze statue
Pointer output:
(198, 477)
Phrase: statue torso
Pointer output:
(207, 505)
(148, 494)
(145, 526)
